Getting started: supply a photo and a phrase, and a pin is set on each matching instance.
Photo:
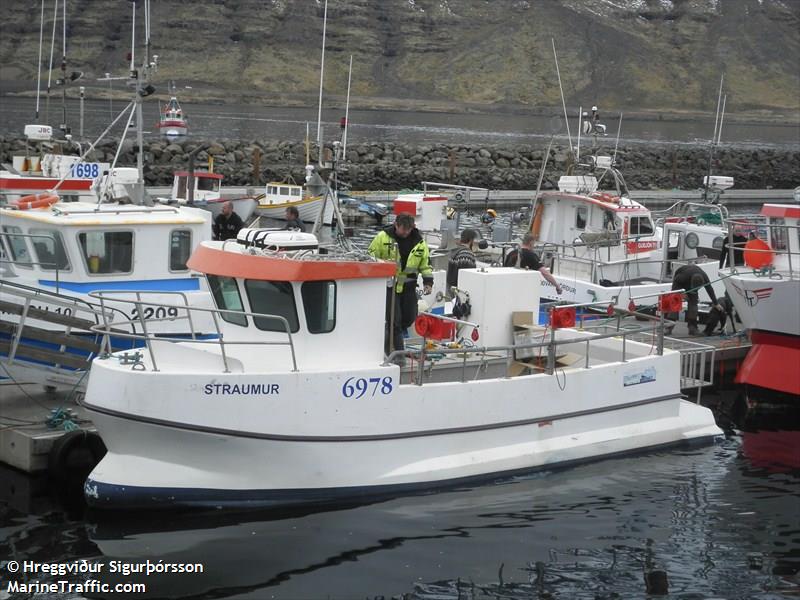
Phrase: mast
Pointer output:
(321, 78)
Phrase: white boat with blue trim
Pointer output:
(296, 403)
(53, 257)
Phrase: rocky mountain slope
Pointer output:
(650, 55)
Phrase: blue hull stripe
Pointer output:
(188, 284)
(112, 496)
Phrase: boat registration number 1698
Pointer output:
(358, 387)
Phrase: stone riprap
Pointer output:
(399, 166)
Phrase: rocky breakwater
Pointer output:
(396, 166)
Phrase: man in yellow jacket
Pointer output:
(402, 243)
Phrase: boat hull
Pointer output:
(308, 209)
(223, 481)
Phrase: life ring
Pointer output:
(36, 201)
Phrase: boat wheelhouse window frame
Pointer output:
(186, 248)
(10, 238)
(287, 310)
(319, 305)
(222, 298)
(778, 234)
(296, 191)
(207, 184)
(58, 246)
(581, 217)
(82, 246)
(183, 184)
(635, 225)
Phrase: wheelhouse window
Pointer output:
(49, 248)
(181, 192)
(107, 252)
(17, 248)
(641, 226)
(581, 213)
(208, 184)
(319, 305)
(227, 297)
(272, 298)
(779, 236)
(180, 247)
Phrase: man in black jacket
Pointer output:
(691, 278)
(227, 223)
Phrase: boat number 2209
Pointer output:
(160, 312)
(358, 387)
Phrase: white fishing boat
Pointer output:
(39, 171)
(53, 258)
(280, 195)
(172, 122)
(295, 402)
(207, 192)
(766, 294)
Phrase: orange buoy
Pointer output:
(757, 254)
(36, 201)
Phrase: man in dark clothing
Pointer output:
(402, 243)
(738, 249)
(227, 223)
(462, 258)
(293, 219)
(691, 278)
(526, 258)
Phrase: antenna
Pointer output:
(721, 118)
(711, 146)
(561, 89)
(347, 110)
(50, 70)
(616, 144)
(321, 78)
(580, 126)
(39, 64)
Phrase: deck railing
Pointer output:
(196, 337)
(791, 233)
(64, 348)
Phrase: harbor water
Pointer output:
(269, 123)
(719, 521)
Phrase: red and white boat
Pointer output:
(36, 172)
(207, 193)
(766, 294)
(172, 122)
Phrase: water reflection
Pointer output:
(701, 516)
(718, 521)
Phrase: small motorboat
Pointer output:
(207, 192)
(172, 122)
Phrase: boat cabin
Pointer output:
(594, 235)
(81, 247)
(281, 193)
(206, 186)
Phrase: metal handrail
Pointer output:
(792, 270)
(149, 338)
(552, 343)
